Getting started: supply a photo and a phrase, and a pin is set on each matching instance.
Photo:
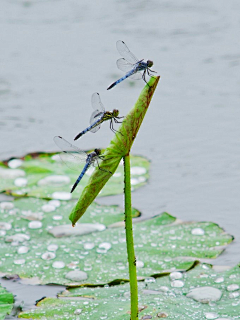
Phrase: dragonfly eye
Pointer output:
(115, 113)
(149, 63)
(98, 151)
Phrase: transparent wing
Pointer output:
(96, 116)
(124, 65)
(97, 103)
(136, 76)
(125, 52)
(71, 155)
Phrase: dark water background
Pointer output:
(55, 54)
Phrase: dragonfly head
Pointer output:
(115, 112)
(149, 63)
(97, 151)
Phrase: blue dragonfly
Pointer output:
(99, 115)
(131, 65)
(73, 156)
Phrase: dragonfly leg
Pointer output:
(144, 77)
(116, 121)
(111, 126)
(150, 75)
(103, 169)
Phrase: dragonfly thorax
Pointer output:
(149, 63)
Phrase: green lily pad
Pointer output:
(6, 302)
(160, 244)
(45, 176)
(164, 297)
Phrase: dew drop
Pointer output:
(6, 205)
(88, 245)
(76, 275)
(164, 289)
(19, 261)
(177, 283)
(52, 247)
(162, 315)
(35, 224)
(138, 170)
(105, 245)
(175, 275)
(18, 237)
(15, 163)
(20, 182)
(58, 264)
(5, 226)
(211, 315)
(78, 311)
(54, 180)
(62, 195)
(48, 255)
(57, 217)
(198, 232)
(149, 280)
(48, 208)
(232, 287)
(11, 173)
(22, 250)
(139, 264)
(233, 295)
(55, 203)
(219, 280)
(205, 294)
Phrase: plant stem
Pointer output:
(129, 239)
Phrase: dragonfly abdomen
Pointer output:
(121, 79)
(95, 124)
(88, 163)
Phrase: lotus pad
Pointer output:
(6, 302)
(45, 175)
(101, 255)
(160, 298)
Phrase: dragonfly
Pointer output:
(99, 115)
(72, 156)
(131, 65)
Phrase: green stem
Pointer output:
(129, 239)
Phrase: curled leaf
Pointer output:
(118, 148)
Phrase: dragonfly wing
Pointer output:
(136, 76)
(125, 52)
(95, 117)
(71, 155)
(124, 65)
(97, 103)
